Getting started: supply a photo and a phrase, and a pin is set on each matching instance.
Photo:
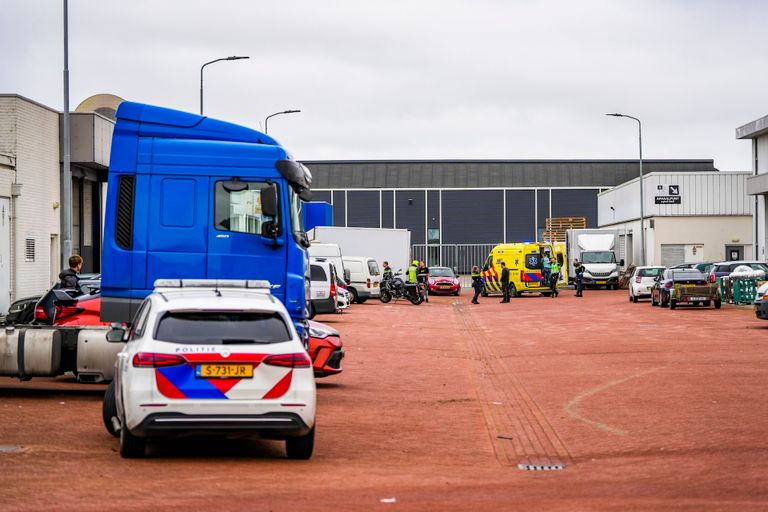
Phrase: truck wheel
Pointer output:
(513, 290)
(385, 296)
(300, 447)
(672, 304)
(353, 294)
(718, 303)
(109, 409)
(131, 447)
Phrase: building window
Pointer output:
(29, 250)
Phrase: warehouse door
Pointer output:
(5, 254)
(672, 254)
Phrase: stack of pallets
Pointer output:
(557, 226)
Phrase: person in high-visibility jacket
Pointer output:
(554, 276)
(412, 271)
(477, 283)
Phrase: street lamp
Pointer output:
(234, 57)
(642, 185)
(266, 119)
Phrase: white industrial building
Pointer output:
(30, 193)
(757, 185)
(689, 217)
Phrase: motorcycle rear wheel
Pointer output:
(385, 296)
(417, 299)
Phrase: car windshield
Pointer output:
(650, 272)
(221, 328)
(598, 257)
(441, 272)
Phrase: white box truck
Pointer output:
(597, 250)
(392, 245)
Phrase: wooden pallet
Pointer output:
(557, 226)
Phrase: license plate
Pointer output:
(224, 371)
(698, 298)
(602, 282)
(375, 285)
(445, 287)
(688, 285)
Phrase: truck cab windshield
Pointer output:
(598, 257)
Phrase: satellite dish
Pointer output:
(103, 104)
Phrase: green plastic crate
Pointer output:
(744, 290)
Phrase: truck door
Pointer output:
(238, 243)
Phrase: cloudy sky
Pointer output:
(419, 79)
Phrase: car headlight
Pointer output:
(316, 331)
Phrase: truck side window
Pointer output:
(240, 211)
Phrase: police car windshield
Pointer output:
(440, 272)
(221, 328)
(598, 257)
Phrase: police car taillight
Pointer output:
(298, 360)
(155, 360)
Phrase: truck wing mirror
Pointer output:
(347, 275)
(269, 201)
(269, 229)
(621, 263)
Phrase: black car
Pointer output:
(22, 311)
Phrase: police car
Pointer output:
(211, 357)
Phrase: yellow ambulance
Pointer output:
(523, 259)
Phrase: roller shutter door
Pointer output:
(672, 254)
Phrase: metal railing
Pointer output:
(460, 257)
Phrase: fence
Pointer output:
(460, 257)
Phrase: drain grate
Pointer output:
(10, 448)
(541, 467)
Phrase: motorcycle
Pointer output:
(393, 287)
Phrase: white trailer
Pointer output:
(597, 251)
(392, 245)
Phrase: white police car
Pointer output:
(211, 357)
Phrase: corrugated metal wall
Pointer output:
(576, 203)
(339, 202)
(521, 215)
(387, 209)
(410, 213)
(473, 216)
(363, 208)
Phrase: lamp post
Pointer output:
(266, 119)
(234, 57)
(642, 185)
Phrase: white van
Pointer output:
(322, 288)
(364, 277)
(331, 253)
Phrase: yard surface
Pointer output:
(643, 409)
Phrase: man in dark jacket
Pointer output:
(69, 279)
(578, 269)
(504, 281)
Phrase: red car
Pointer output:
(443, 280)
(325, 349)
(65, 307)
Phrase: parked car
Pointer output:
(725, 268)
(761, 302)
(642, 281)
(364, 278)
(684, 286)
(71, 307)
(443, 280)
(343, 297)
(325, 349)
(322, 289)
(213, 358)
(703, 267)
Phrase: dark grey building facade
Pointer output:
(473, 201)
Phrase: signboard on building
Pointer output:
(672, 196)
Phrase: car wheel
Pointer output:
(385, 296)
(718, 303)
(458, 292)
(300, 447)
(707, 303)
(353, 294)
(312, 312)
(634, 299)
(672, 304)
(109, 409)
(131, 447)
(362, 301)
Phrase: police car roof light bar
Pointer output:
(215, 283)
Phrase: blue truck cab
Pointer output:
(192, 197)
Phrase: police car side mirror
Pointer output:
(116, 334)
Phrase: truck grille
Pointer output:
(600, 274)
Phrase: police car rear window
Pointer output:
(222, 328)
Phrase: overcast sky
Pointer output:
(419, 79)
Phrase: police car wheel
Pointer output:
(131, 447)
(300, 447)
(109, 409)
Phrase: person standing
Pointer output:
(413, 270)
(546, 267)
(504, 282)
(69, 279)
(554, 277)
(578, 269)
(477, 283)
(423, 275)
(387, 273)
